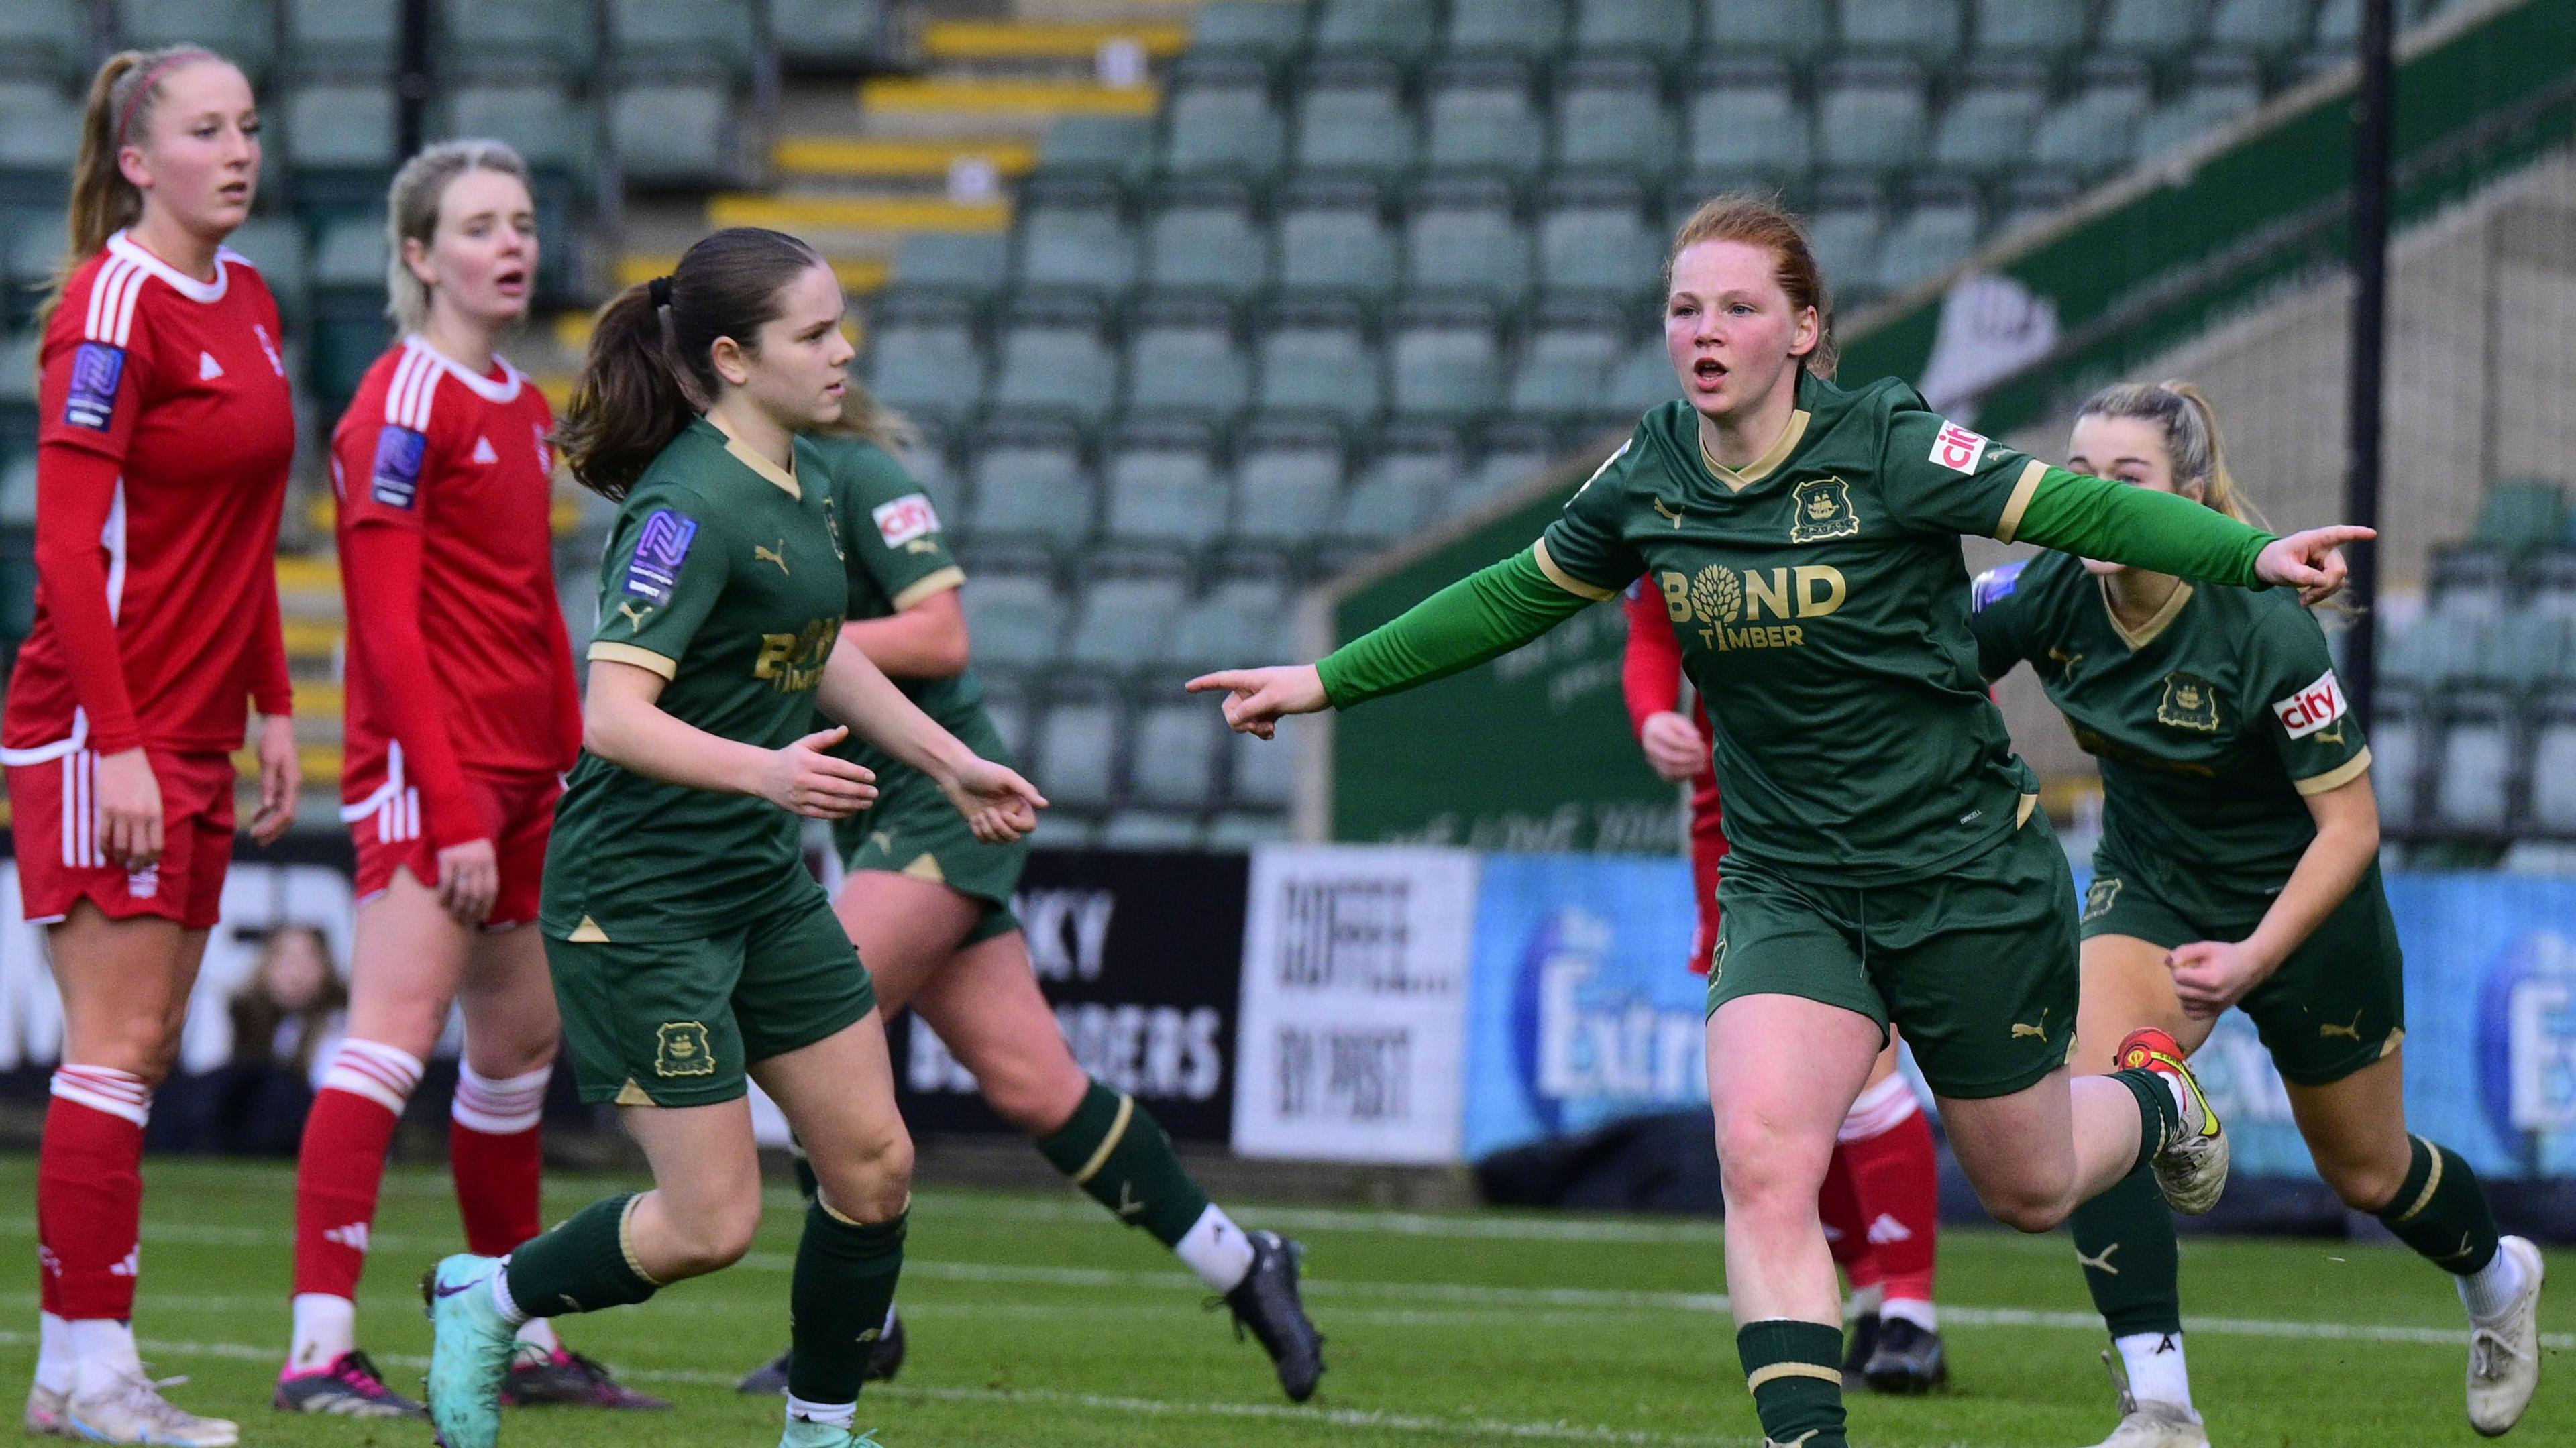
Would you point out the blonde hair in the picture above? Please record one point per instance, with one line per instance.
(122, 97)
(411, 214)
(2181, 411)
(1762, 221)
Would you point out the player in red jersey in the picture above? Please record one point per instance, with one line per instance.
(167, 427)
(1881, 1198)
(462, 718)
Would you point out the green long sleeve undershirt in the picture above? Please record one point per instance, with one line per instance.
(1504, 605)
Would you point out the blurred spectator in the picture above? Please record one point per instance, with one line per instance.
(288, 1014)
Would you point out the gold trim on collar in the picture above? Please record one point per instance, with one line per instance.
(1738, 479)
(785, 478)
(2148, 632)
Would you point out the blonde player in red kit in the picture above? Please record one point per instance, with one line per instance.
(462, 718)
(167, 427)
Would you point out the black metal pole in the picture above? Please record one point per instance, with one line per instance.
(411, 79)
(2373, 114)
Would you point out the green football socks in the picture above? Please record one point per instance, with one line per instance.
(1795, 1371)
(844, 1281)
(583, 1265)
(2132, 1262)
(2158, 1112)
(2442, 1212)
(1118, 1154)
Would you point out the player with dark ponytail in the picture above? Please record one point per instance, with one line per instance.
(167, 428)
(690, 948)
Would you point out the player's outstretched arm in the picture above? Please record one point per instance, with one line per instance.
(623, 722)
(2167, 533)
(998, 804)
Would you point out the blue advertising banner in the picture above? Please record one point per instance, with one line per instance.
(1581, 1011)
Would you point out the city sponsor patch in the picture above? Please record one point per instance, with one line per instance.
(1956, 448)
(681, 1048)
(2188, 703)
(904, 519)
(659, 551)
(97, 368)
(1995, 585)
(2312, 708)
(1820, 510)
(399, 454)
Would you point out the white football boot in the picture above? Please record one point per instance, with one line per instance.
(2504, 1350)
(2150, 1424)
(124, 1405)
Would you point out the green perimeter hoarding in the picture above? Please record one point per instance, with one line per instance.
(1533, 752)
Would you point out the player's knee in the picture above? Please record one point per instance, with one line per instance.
(2027, 1206)
(715, 1234)
(2362, 1184)
(871, 1181)
(1762, 1163)
(1034, 1101)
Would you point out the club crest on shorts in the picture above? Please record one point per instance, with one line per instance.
(682, 1049)
(1820, 510)
(2189, 703)
(2099, 895)
(1717, 962)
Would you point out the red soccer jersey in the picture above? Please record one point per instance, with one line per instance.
(457, 651)
(167, 427)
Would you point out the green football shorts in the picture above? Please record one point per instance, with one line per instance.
(677, 1022)
(914, 830)
(1976, 966)
(2336, 1005)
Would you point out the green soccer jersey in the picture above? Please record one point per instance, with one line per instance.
(896, 557)
(723, 575)
(1822, 607)
(2211, 719)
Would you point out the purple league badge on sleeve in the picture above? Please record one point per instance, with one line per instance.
(96, 370)
(659, 552)
(399, 452)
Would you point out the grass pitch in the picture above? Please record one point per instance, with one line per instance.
(1036, 1321)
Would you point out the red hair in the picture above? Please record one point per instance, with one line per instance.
(1764, 222)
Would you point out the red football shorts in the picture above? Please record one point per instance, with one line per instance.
(522, 807)
(62, 856)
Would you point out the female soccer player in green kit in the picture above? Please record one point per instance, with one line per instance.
(2239, 866)
(688, 943)
(1888, 865)
(929, 907)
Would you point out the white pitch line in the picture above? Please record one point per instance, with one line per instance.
(1394, 1224)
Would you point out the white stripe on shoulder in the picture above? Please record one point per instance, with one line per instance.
(419, 389)
(505, 390)
(98, 283)
(395, 386)
(126, 296)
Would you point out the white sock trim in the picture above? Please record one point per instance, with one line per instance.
(1910, 1309)
(53, 1353)
(834, 1415)
(2158, 1372)
(2487, 1292)
(1216, 1249)
(539, 1332)
(105, 1089)
(500, 1106)
(1864, 1302)
(501, 1299)
(385, 1075)
(325, 1327)
(102, 1343)
(1879, 1110)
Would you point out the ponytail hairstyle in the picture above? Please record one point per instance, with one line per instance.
(651, 370)
(411, 214)
(2190, 427)
(116, 114)
(1762, 221)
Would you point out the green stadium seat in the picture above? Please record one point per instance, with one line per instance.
(2338, 27)
(1610, 113)
(45, 40)
(2031, 196)
(1593, 239)
(18, 506)
(1015, 621)
(2400, 727)
(2155, 29)
(1744, 118)
(39, 135)
(977, 262)
(676, 134)
(242, 31)
(1649, 27)
(275, 245)
(1287, 482)
(2095, 129)
(1204, 237)
(349, 329)
(1986, 128)
(341, 126)
(1163, 486)
(327, 38)
(1314, 358)
(664, 37)
(1872, 113)
(496, 39)
(1077, 754)
(1642, 378)
(1928, 30)
(834, 36)
(1461, 236)
(1477, 117)
(550, 129)
(1514, 451)
(1221, 121)
(2520, 514)
(1385, 508)
(1795, 29)
(1117, 148)
(2043, 27)
(1939, 232)
(351, 258)
(2260, 27)
(923, 356)
(1054, 358)
(1397, 29)
(1269, 31)
(1564, 363)
(1333, 239)
(2473, 768)
(2195, 113)
(1183, 357)
(1351, 116)
(2553, 767)
(1235, 831)
(2523, 652)
(928, 458)
(1264, 775)
(1242, 618)
(1030, 484)
(1529, 29)
(1122, 623)
(1149, 829)
(1443, 359)
(1075, 236)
